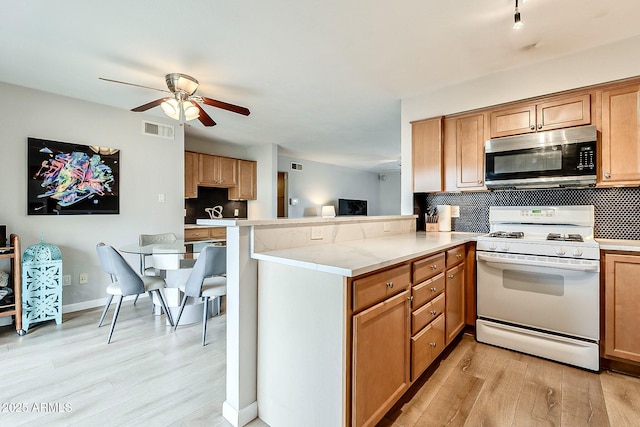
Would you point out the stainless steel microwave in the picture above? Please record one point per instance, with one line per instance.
(558, 158)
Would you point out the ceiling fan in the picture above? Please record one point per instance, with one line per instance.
(183, 104)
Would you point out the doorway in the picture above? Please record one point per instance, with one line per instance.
(282, 195)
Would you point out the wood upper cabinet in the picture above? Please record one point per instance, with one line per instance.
(470, 137)
(246, 188)
(217, 171)
(620, 148)
(622, 305)
(557, 113)
(380, 354)
(190, 175)
(426, 155)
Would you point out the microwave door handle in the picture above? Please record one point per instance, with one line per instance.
(590, 266)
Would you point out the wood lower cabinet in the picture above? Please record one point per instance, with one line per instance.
(622, 307)
(455, 304)
(380, 367)
(620, 148)
(247, 177)
(426, 346)
(202, 233)
(426, 155)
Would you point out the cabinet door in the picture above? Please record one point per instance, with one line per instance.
(208, 170)
(563, 113)
(426, 155)
(426, 346)
(513, 121)
(620, 153)
(380, 366)
(246, 187)
(622, 305)
(227, 171)
(470, 152)
(190, 175)
(454, 302)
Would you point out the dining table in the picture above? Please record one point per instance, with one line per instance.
(174, 262)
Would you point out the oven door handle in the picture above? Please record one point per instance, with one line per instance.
(593, 266)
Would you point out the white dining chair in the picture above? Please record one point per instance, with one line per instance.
(207, 280)
(125, 282)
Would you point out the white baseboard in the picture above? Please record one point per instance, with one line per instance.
(79, 306)
(242, 417)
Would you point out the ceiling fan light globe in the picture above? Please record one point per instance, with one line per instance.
(171, 108)
(191, 112)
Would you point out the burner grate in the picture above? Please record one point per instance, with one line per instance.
(565, 237)
(508, 234)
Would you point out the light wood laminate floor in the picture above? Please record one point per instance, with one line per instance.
(150, 375)
(481, 385)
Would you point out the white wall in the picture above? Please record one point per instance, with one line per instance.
(149, 166)
(319, 184)
(599, 65)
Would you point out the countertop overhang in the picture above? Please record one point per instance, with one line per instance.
(356, 257)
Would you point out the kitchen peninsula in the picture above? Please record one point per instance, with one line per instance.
(300, 295)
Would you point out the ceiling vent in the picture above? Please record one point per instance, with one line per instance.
(296, 166)
(156, 129)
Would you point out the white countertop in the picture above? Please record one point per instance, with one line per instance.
(619, 245)
(356, 257)
(231, 222)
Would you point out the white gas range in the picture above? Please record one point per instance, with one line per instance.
(538, 283)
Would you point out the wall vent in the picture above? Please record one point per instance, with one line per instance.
(296, 166)
(156, 129)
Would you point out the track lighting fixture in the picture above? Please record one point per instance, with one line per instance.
(517, 23)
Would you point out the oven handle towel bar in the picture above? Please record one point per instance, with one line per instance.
(532, 260)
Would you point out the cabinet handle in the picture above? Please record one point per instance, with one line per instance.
(450, 276)
(458, 256)
(434, 266)
(433, 312)
(480, 181)
(540, 126)
(607, 175)
(433, 289)
(432, 344)
(390, 285)
(532, 127)
(410, 298)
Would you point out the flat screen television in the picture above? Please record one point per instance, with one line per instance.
(71, 179)
(352, 207)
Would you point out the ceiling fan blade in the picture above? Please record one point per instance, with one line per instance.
(148, 106)
(133, 84)
(226, 106)
(204, 118)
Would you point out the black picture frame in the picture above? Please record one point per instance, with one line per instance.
(72, 179)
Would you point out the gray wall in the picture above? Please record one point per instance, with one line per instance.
(149, 166)
(319, 184)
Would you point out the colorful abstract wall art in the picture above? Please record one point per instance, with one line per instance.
(71, 179)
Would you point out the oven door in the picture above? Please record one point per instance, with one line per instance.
(545, 293)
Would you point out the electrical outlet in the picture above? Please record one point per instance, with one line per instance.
(66, 280)
(386, 227)
(316, 233)
(455, 211)
(161, 198)
(84, 278)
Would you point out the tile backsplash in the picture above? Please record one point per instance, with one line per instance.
(617, 210)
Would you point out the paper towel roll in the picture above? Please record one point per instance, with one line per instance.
(444, 217)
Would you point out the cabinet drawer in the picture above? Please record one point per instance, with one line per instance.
(425, 314)
(218, 233)
(428, 267)
(427, 290)
(379, 286)
(455, 255)
(426, 346)
(196, 233)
